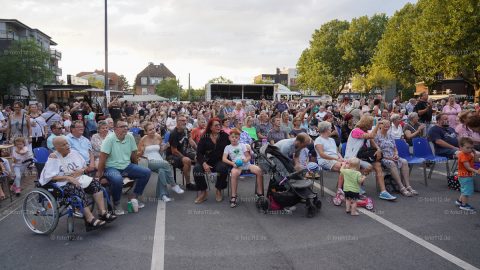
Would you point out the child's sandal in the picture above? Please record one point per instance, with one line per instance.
(233, 202)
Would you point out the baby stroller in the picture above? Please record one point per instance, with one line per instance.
(286, 186)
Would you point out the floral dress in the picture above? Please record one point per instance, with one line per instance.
(387, 146)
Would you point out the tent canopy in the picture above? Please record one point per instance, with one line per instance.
(142, 98)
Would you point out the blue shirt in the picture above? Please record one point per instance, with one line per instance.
(50, 142)
(81, 145)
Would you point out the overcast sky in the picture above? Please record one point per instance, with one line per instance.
(207, 38)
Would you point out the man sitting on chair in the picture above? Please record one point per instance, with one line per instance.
(118, 159)
(444, 138)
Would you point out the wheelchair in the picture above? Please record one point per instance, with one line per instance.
(45, 205)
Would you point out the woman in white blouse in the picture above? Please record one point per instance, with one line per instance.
(396, 130)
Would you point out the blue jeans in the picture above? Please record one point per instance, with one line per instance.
(133, 171)
(165, 175)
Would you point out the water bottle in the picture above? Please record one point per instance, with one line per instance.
(134, 205)
(129, 207)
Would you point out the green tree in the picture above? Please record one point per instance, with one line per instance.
(447, 40)
(168, 89)
(359, 42)
(220, 79)
(395, 52)
(321, 67)
(123, 84)
(25, 63)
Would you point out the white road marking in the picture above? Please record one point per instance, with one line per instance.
(440, 252)
(13, 211)
(158, 253)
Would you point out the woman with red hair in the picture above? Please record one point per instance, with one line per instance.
(209, 159)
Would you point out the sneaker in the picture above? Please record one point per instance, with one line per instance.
(290, 209)
(140, 204)
(458, 202)
(386, 196)
(177, 189)
(119, 210)
(18, 190)
(77, 213)
(191, 187)
(165, 198)
(467, 207)
(13, 187)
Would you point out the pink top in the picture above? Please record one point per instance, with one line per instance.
(452, 112)
(464, 131)
(357, 133)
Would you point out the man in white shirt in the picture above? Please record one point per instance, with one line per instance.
(321, 113)
(171, 122)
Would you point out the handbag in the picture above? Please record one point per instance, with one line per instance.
(367, 154)
(453, 183)
(85, 180)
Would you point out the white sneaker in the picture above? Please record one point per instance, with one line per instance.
(291, 208)
(165, 198)
(177, 189)
(119, 210)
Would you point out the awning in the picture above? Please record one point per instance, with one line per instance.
(142, 98)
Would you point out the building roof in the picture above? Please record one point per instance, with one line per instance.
(17, 22)
(154, 71)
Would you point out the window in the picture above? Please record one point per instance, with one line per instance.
(144, 91)
(143, 81)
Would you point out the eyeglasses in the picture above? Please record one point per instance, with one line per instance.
(123, 126)
(216, 125)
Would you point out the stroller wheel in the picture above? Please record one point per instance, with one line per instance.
(311, 209)
(318, 204)
(369, 206)
(262, 204)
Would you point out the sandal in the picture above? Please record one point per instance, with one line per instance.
(94, 224)
(233, 202)
(405, 192)
(413, 191)
(107, 217)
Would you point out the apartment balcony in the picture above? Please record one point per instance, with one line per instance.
(57, 71)
(56, 54)
(8, 35)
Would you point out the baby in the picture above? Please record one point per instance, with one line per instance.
(352, 179)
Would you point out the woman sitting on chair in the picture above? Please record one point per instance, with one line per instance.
(392, 161)
(65, 167)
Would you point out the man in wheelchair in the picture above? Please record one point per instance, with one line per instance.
(66, 168)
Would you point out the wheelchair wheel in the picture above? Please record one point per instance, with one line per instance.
(40, 211)
(311, 209)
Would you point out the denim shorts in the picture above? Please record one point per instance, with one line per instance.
(466, 185)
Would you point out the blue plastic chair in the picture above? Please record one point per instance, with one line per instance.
(421, 149)
(40, 155)
(339, 131)
(404, 152)
(135, 130)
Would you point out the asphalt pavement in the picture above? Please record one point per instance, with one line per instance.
(425, 231)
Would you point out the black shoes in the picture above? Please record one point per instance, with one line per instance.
(191, 187)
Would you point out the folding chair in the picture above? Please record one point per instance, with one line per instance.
(421, 149)
(404, 152)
